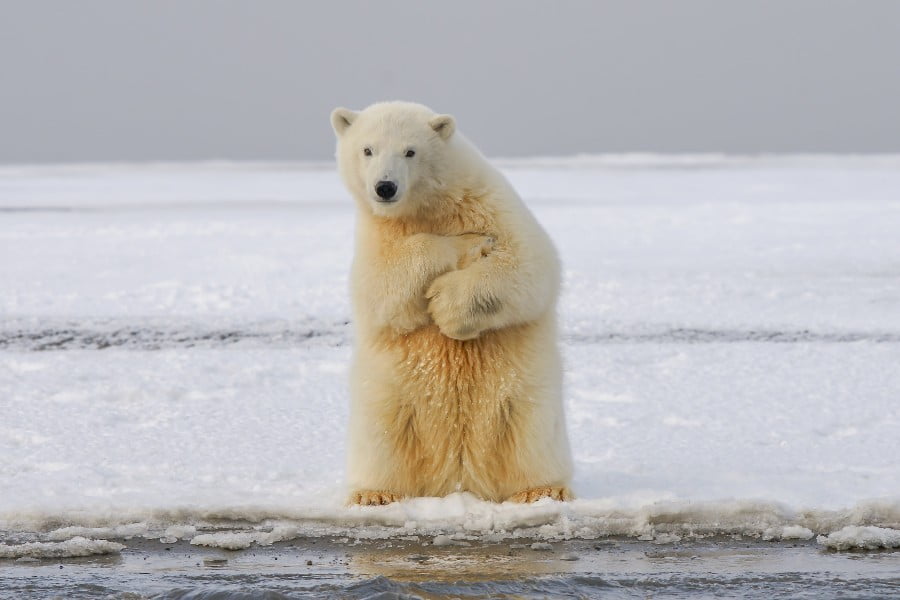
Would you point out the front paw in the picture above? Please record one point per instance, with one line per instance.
(458, 309)
(472, 247)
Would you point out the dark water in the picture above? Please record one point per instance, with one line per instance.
(383, 570)
(584, 586)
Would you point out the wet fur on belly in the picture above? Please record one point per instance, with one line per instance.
(460, 413)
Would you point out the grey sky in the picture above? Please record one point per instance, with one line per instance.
(182, 79)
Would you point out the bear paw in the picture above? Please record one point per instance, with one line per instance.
(374, 498)
(457, 309)
(472, 247)
(536, 493)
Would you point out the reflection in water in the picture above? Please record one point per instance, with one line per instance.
(416, 563)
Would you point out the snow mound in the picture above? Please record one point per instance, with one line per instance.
(854, 537)
(77, 546)
(460, 517)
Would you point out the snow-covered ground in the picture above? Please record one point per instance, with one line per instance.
(174, 345)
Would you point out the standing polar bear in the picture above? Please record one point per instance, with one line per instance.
(456, 382)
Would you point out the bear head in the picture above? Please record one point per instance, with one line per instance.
(393, 156)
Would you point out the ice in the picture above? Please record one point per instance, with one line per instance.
(228, 540)
(861, 538)
(174, 344)
(788, 532)
(76, 546)
(123, 532)
(183, 532)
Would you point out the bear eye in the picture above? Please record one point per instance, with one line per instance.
(410, 153)
(367, 151)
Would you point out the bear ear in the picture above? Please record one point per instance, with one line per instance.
(443, 125)
(341, 119)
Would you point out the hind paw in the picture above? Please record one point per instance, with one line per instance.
(536, 493)
(374, 498)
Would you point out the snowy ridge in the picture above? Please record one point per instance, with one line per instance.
(649, 160)
(158, 334)
(249, 185)
(463, 517)
(137, 335)
(637, 160)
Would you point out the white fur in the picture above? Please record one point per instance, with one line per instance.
(456, 381)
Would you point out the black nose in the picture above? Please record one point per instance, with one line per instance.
(386, 189)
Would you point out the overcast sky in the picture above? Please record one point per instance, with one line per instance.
(98, 80)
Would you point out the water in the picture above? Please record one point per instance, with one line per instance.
(317, 568)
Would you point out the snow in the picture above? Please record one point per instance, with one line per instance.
(174, 345)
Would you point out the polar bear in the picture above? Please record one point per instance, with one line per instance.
(456, 378)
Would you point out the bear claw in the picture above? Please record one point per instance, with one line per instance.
(536, 493)
(374, 498)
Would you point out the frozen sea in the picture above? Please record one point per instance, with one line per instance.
(174, 343)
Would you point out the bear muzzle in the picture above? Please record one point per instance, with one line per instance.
(386, 191)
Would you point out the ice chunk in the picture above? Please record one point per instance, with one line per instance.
(228, 540)
(77, 546)
(854, 537)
